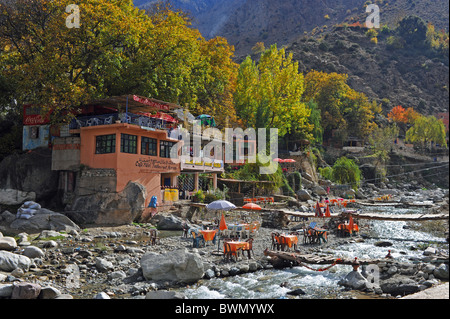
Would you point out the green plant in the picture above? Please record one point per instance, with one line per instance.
(326, 172)
(346, 171)
(198, 197)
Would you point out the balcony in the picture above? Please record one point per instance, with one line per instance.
(143, 121)
(201, 164)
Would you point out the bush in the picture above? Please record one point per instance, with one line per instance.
(326, 172)
(198, 197)
(346, 171)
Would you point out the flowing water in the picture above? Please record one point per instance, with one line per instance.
(267, 284)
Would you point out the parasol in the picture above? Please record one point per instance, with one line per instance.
(221, 205)
(350, 224)
(252, 206)
(223, 224)
(318, 211)
(206, 119)
(327, 212)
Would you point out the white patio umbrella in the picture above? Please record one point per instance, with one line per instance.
(221, 205)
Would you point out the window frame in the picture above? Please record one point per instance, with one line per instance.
(126, 143)
(167, 146)
(145, 143)
(104, 139)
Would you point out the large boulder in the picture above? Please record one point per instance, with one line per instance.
(441, 272)
(177, 266)
(30, 173)
(399, 285)
(25, 290)
(354, 280)
(45, 219)
(168, 222)
(15, 197)
(10, 261)
(109, 208)
(303, 195)
(7, 243)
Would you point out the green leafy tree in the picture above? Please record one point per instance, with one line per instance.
(270, 93)
(346, 171)
(427, 130)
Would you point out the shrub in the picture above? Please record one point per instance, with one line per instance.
(198, 197)
(346, 171)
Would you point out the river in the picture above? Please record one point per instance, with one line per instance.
(267, 284)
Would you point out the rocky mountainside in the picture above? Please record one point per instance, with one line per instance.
(409, 77)
(246, 22)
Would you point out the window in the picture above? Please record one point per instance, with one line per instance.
(128, 143)
(148, 146)
(165, 147)
(105, 144)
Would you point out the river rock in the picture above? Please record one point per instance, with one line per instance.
(6, 290)
(303, 195)
(33, 252)
(49, 293)
(10, 261)
(102, 295)
(441, 272)
(7, 243)
(178, 265)
(169, 222)
(25, 290)
(296, 292)
(103, 265)
(399, 285)
(429, 251)
(383, 244)
(45, 219)
(354, 280)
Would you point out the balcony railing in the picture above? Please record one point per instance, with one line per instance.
(108, 119)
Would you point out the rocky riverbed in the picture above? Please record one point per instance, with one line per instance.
(120, 262)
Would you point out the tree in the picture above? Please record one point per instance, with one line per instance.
(427, 130)
(345, 171)
(79, 62)
(341, 107)
(117, 50)
(269, 93)
(413, 30)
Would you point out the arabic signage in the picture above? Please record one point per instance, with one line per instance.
(157, 165)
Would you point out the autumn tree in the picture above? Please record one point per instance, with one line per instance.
(118, 49)
(341, 107)
(268, 94)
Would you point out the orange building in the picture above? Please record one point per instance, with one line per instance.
(134, 145)
(136, 154)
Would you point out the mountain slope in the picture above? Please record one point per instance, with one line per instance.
(410, 77)
(246, 22)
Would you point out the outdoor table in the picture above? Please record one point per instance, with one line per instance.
(290, 240)
(321, 234)
(209, 235)
(346, 226)
(235, 245)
